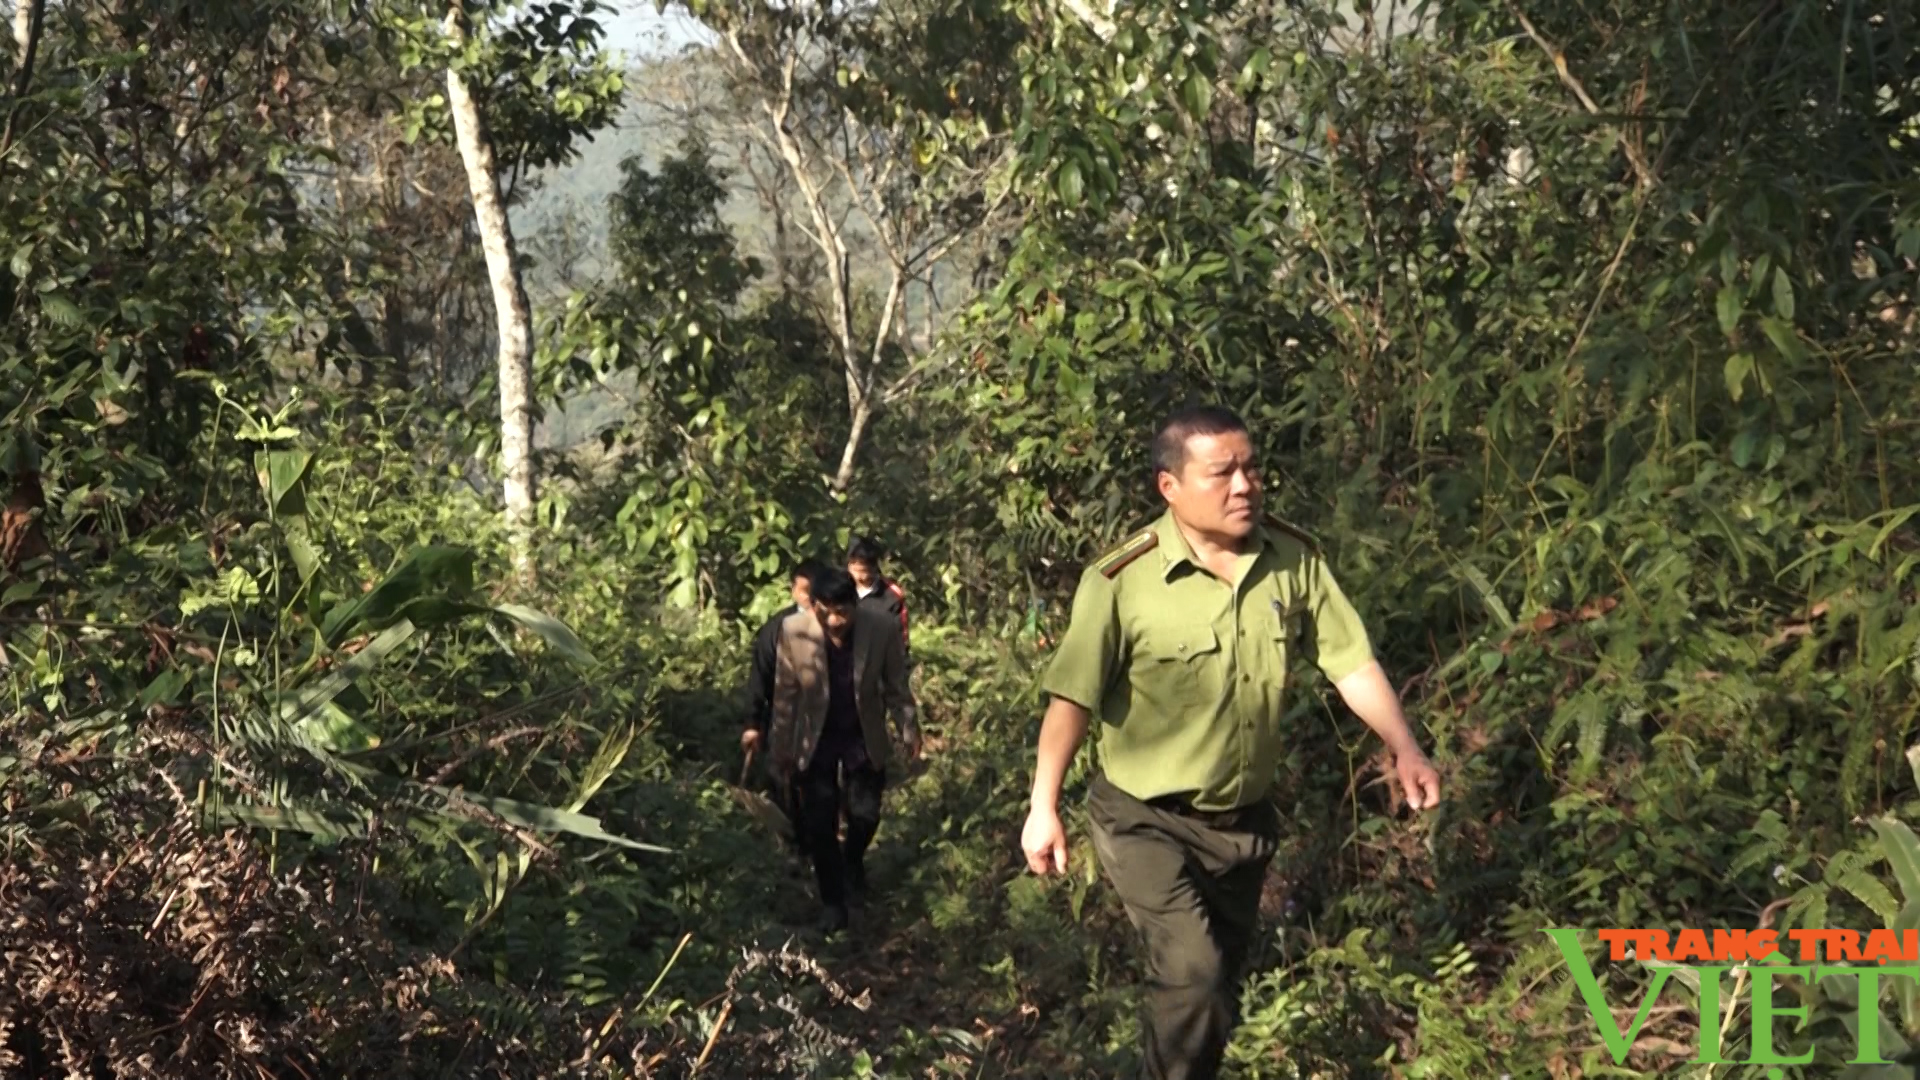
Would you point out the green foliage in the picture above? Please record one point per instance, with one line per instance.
(1583, 334)
(536, 70)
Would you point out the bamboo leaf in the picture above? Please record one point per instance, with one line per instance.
(1494, 605)
(614, 745)
(555, 633)
(330, 824)
(296, 708)
(546, 819)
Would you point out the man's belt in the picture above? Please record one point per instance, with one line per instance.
(1182, 805)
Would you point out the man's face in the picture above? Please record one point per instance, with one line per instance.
(837, 618)
(802, 592)
(863, 572)
(1217, 490)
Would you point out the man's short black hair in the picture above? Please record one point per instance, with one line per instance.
(835, 588)
(865, 549)
(1170, 442)
(809, 571)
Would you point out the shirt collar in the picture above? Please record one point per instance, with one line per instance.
(1175, 552)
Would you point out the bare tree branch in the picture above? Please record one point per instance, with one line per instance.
(28, 16)
(1634, 155)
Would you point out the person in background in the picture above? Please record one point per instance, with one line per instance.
(863, 562)
(1180, 642)
(840, 669)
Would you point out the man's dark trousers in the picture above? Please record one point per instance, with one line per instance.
(1191, 884)
(821, 789)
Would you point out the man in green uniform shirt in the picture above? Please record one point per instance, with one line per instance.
(1180, 641)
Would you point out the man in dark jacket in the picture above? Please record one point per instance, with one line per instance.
(876, 591)
(766, 644)
(765, 641)
(839, 675)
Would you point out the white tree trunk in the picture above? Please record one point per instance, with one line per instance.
(850, 453)
(511, 312)
(22, 28)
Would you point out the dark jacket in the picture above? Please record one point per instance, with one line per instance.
(766, 645)
(802, 689)
(889, 598)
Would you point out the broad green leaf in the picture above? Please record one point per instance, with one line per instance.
(1782, 294)
(555, 633)
(164, 689)
(1784, 339)
(1902, 849)
(1739, 366)
(300, 545)
(62, 312)
(1197, 93)
(444, 574)
(283, 475)
(1070, 185)
(1728, 308)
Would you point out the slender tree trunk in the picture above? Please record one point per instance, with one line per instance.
(511, 310)
(25, 14)
(850, 453)
(21, 534)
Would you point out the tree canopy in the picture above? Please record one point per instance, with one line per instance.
(1583, 335)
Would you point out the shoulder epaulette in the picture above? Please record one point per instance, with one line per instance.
(1295, 531)
(1121, 557)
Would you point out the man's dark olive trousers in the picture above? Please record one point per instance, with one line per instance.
(1190, 882)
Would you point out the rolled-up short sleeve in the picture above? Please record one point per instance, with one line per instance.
(1089, 651)
(1341, 646)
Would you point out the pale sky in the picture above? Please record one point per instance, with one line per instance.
(637, 29)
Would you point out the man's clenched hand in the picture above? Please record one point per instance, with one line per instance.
(1045, 842)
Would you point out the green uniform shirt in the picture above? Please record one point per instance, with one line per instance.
(1187, 674)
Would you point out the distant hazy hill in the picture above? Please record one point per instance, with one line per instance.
(563, 222)
(566, 215)
(574, 196)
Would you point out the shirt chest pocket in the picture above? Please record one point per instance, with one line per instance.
(1286, 628)
(1181, 661)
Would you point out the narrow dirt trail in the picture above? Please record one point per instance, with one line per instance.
(959, 966)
